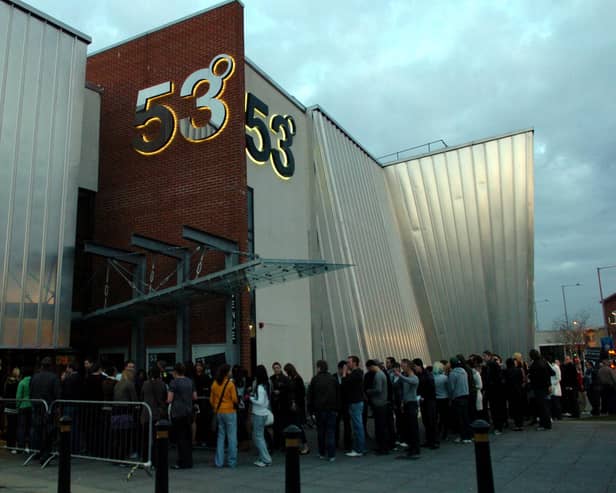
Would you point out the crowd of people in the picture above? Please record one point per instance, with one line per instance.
(226, 409)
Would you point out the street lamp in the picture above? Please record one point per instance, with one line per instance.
(536, 317)
(605, 320)
(562, 287)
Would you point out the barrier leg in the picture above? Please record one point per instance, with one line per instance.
(64, 466)
(485, 480)
(293, 442)
(162, 464)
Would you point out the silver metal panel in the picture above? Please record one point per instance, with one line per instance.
(42, 75)
(369, 310)
(465, 217)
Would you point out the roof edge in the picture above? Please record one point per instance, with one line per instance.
(460, 146)
(274, 84)
(164, 26)
(24, 7)
(318, 108)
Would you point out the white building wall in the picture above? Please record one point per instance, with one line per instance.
(281, 215)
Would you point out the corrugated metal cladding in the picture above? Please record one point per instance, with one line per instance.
(442, 247)
(369, 309)
(42, 78)
(466, 222)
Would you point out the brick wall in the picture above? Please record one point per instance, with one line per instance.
(198, 184)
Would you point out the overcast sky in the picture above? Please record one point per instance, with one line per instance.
(401, 73)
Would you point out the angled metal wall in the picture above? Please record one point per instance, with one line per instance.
(42, 78)
(466, 221)
(368, 310)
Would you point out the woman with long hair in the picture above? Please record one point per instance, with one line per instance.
(297, 405)
(223, 398)
(260, 409)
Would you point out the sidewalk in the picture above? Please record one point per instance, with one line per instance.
(575, 456)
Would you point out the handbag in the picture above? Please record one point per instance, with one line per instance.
(214, 423)
(269, 418)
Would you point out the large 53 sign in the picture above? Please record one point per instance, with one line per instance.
(268, 138)
(147, 111)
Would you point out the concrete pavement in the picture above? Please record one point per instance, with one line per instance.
(576, 456)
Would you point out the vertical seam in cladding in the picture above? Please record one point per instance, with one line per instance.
(30, 198)
(44, 251)
(65, 186)
(7, 243)
(514, 338)
(15, 172)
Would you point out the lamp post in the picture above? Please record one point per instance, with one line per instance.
(562, 287)
(536, 316)
(605, 320)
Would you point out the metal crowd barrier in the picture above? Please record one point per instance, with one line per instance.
(27, 426)
(110, 431)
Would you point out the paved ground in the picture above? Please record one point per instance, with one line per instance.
(576, 456)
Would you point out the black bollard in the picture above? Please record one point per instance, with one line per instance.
(64, 456)
(485, 480)
(292, 442)
(162, 462)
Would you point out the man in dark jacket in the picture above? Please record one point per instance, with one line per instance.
(353, 389)
(343, 411)
(44, 385)
(539, 376)
(494, 390)
(378, 397)
(324, 401)
(570, 388)
(427, 392)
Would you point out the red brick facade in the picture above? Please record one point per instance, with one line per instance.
(198, 184)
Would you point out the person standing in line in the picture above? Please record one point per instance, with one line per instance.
(514, 382)
(24, 410)
(593, 387)
(10, 409)
(280, 404)
(154, 394)
(123, 418)
(571, 389)
(458, 390)
(427, 393)
(409, 382)
(343, 412)
(181, 395)
(494, 391)
(539, 376)
(352, 387)
(260, 409)
(377, 396)
(324, 401)
(204, 417)
(73, 388)
(44, 385)
(442, 399)
(607, 378)
(223, 399)
(556, 393)
(475, 363)
(297, 406)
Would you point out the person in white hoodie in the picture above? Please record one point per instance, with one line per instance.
(260, 409)
(556, 394)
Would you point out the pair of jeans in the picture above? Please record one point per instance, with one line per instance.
(346, 429)
(412, 427)
(227, 428)
(24, 422)
(460, 409)
(258, 438)
(429, 420)
(381, 431)
(542, 400)
(182, 427)
(326, 433)
(356, 411)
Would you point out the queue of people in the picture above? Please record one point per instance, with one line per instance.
(414, 406)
